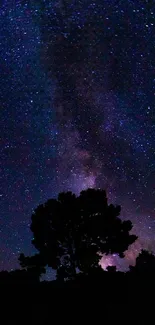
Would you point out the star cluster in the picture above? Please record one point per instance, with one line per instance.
(77, 95)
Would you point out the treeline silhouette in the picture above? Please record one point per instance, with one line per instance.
(71, 233)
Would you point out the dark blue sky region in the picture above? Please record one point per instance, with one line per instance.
(77, 95)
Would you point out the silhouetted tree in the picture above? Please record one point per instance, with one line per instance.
(145, 262)
(69, 232)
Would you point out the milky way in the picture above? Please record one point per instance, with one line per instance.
(77, 94)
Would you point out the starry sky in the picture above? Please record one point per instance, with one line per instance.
(77, 97)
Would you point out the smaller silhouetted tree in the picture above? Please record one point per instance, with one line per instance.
(145, 263)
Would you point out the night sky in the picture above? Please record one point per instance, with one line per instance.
(77, 97)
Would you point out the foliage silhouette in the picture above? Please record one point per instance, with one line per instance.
(145, 262)
(70, 231)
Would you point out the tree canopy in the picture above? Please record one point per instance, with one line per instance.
(70, 231)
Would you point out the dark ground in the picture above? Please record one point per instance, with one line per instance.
(114, 297)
